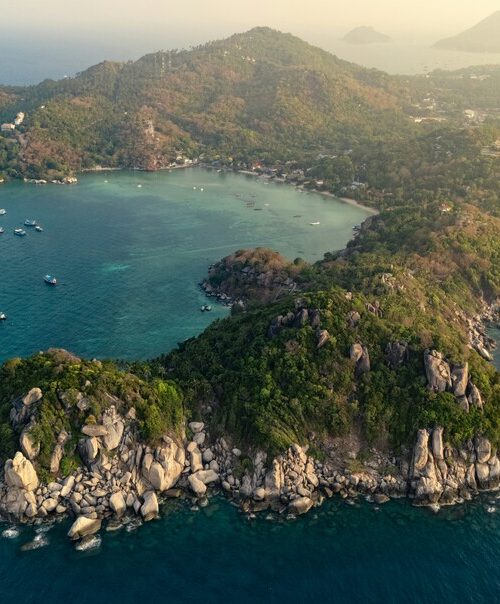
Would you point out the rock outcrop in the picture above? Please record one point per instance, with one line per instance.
(84, 526)
(359, 354)
(437, 370)
(20, 473)
(441, 474)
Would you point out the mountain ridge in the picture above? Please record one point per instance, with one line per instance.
(482, 37)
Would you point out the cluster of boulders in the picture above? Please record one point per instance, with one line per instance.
(299, 317)
(441, 474)
(120, 476)
(223, 298)
(475, 325)
(235, 279)
(443, 377)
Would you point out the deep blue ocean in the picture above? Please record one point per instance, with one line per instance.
(128, 259)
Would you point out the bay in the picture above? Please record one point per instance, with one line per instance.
(129, 248)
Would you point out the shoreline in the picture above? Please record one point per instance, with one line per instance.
(102, 169)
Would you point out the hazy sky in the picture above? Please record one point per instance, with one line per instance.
(208, 18)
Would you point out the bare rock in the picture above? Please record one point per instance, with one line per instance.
(301, 505)
(483, 449)
(459, 379)
(437, 371)
(396, 354)
(150, 507)
(34, 396)
(421, 451)
(94, 430)
(117, 503)
(323, 337)
(437, 443)
(196, 427)
(29, 447)
(84, 526)
(19, 472)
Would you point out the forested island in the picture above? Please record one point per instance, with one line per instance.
(367, 372)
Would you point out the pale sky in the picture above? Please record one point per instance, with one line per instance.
(208, 19)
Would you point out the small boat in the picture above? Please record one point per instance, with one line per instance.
(2, 212)
(38, 228)
(20, 232)
(2, 230)
(50, 280)
(30, 223)
(206, 308)
(3, 316)
(315, 223)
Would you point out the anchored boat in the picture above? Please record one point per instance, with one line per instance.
(3, 316)
(2, 211)
(30, 223)
(50, 280)
(20, 232)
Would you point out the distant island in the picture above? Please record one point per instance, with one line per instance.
(365, 35)
(483, 37)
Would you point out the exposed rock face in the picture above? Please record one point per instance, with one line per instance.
(117, 503)
(94, 430)
(323, 337)
(437, 371)
(198, 487)
(443, 475)
(396, 354)
(88, 449)
(19, 472)
(150, 507)
(459, 379)
(162, 468)
(84, 526)
(28, 445)
(359, 354)
(483, 449)
(301, 505)
(474, 396)
(34, 396)
(353, 318)
(421, 452)
(114, 426)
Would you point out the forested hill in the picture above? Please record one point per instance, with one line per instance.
(261, 94)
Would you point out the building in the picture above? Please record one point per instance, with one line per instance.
(7, 127)
(19, 119)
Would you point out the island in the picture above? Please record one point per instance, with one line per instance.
(367, 372)
(366, 35)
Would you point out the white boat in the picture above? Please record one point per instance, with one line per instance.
(2, 230)
(50, 280)
(2, 211)
(315, 223)
(3, 316)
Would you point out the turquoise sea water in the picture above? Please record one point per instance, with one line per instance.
(129, 249)
(337, 553)
(128, 260)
